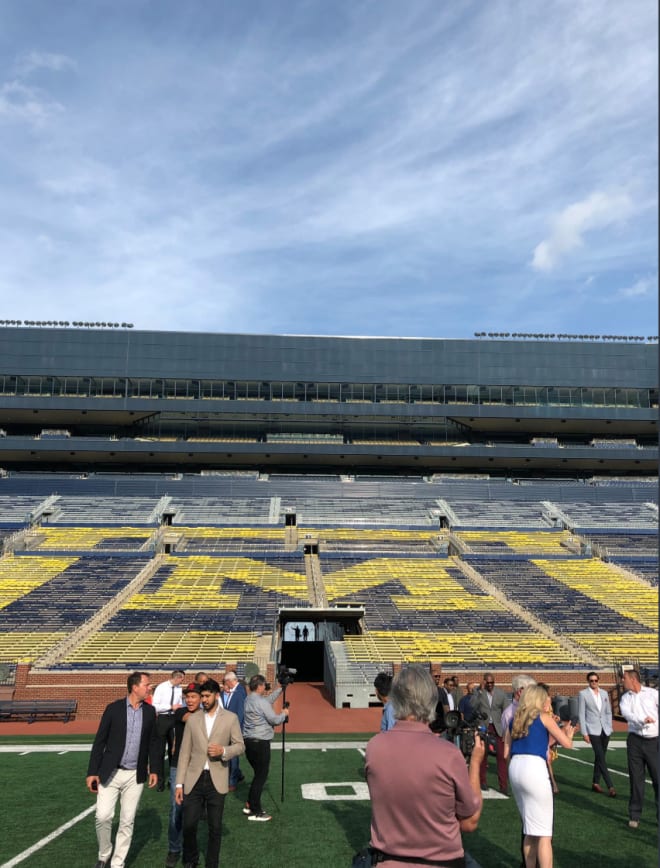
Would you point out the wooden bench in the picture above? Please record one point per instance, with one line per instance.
(31, 709)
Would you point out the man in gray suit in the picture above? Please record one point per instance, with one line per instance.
(489, 702)
(595, 712)
(210, 741)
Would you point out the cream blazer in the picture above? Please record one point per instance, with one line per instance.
(193, 753)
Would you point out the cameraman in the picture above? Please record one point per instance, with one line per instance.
(422, 793)
(258, 733)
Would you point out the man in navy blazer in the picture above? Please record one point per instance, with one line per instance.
(124, 753)
(233, 699)
(595, 713)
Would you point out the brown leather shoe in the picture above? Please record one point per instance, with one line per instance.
(596, 788)
(611, 793)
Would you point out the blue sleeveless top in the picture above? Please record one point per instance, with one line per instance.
(535, 742)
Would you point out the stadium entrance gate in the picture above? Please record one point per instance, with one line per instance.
(304, 632)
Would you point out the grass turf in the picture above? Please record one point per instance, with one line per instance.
(42, 791)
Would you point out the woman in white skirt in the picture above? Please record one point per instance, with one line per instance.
(526, 742)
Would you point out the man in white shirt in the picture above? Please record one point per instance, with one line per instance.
(639, 706)
(166, 699)
(210, 741)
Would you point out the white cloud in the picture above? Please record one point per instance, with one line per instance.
(376, 167)
(34, 60)
(21, 102)
(595, 212)
(642, 287)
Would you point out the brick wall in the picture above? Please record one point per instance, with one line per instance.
(94, 689)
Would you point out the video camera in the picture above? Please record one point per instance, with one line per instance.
(463, 733)
(285, 676)
(566, 717)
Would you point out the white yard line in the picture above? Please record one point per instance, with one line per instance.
(587, 763)
(40, 844)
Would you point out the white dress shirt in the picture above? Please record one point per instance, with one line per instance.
(636, 707)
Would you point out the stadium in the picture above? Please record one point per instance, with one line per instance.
(339, 505)
(179, 499)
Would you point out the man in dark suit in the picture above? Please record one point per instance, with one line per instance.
(210, 741)
(490, 702)
(124, 753)
(233, 699)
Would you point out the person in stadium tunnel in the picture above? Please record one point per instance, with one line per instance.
(423, 794)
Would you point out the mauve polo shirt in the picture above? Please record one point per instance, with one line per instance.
(419, 789)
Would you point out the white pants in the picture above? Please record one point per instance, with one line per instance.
(122, 785)
(532, 791)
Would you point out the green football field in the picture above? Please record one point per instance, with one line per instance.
(48, 819)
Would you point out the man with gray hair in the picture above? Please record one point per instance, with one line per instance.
(518, 685)
(233, 698)
(423, 795)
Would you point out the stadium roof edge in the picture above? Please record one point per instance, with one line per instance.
(349, 337)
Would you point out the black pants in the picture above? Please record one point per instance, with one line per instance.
(642, 752)
(257, 752)
(203, 795)
(165, 735)
(599, 745)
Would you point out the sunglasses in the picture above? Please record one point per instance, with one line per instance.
(593, 681)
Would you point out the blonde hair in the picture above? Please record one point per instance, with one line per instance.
(530, 706)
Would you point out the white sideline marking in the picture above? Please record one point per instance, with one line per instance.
(586, 763)
(60, 831)
(320, 792)
(490, 793)
(25, 749)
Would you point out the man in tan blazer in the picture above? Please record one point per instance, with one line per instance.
(210, 741)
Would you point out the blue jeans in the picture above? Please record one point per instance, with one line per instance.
(174, 829)
(234, 772)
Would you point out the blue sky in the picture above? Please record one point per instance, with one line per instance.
(374, 168)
